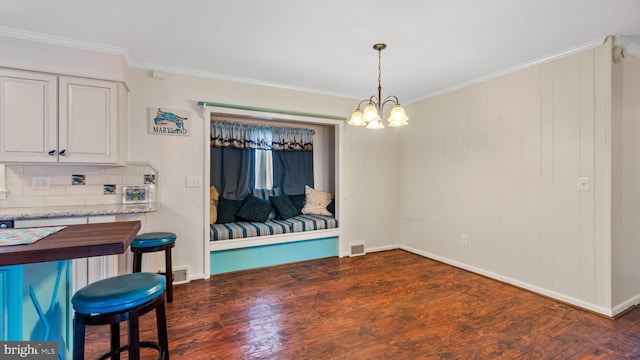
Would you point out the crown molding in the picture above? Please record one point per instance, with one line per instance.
(62, 41)
(216, 76)
(85, 45)
(586, 46)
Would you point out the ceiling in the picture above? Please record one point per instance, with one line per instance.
(326, 46)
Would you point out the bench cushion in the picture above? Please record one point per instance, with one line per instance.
(239, 230)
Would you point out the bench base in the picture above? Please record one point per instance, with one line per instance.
(223, 261)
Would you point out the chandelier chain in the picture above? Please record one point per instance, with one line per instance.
(379, 68)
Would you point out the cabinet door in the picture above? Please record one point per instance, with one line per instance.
(28, 116)
(88, 121)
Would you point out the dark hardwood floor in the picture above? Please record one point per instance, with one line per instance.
(386, 305)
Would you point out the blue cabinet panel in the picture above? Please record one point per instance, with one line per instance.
(11, 280)
(267, 255)
(36, 303)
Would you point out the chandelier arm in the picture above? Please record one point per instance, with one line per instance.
(392, 99)
(362, 102)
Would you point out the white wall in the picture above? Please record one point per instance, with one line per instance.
(372, 193)
(370, 199)
(626, 175)
(499, 162)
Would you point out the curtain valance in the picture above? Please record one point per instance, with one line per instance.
(226, 134)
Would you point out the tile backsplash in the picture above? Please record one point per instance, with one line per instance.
(61, 192)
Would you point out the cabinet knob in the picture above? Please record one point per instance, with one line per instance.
(63, 153)
(52, 153)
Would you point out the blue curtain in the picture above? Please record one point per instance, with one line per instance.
(233, 147)
(232, 171)
(292, 170)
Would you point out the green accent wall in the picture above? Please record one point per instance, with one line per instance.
(223, 261)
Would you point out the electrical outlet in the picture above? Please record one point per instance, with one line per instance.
(464, 240)
(40, 182)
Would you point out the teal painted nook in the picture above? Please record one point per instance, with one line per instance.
(223, 261)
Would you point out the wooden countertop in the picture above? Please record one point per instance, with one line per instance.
(75, 241)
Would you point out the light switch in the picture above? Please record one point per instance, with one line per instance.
(194, 181)
(583, 184)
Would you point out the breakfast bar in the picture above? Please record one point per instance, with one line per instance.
(75, 241)
(35, 280)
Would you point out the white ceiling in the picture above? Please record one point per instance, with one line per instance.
(326, 46)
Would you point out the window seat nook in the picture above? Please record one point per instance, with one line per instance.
(264, 208)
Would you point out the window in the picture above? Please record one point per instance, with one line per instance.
(263, 169)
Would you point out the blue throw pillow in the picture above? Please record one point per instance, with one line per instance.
(284, 206)
(298, 201)
(255, 209)
(227, 210)
(265, 194)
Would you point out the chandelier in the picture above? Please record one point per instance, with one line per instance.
(372, 114)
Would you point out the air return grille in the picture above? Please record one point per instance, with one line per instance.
(180, 276)
(357, 249)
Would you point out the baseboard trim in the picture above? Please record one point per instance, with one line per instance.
(610, 313)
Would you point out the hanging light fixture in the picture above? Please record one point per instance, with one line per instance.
(373, 112)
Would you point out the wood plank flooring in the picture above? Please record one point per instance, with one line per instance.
(385, 305)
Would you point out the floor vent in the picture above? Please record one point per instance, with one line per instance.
(357, 249)
(180, 276)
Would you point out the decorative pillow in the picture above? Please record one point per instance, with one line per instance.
(227, 210)
(332, 207)
(255, 209)
(316, 202)
(213, 206)
(298, 201)
(284, 206)
(265, 194)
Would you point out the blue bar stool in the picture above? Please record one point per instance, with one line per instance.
(116, 299)
(152, 242)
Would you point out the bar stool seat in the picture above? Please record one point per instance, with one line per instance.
(152, 242)
(116, 299)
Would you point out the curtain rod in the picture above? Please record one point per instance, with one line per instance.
(267, 110)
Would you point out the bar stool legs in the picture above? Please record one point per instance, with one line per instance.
(169, 273)
(121, 298)
(153, 242)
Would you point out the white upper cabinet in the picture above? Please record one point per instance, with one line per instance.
(88, 121)
(45, 118)
(28, 116)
